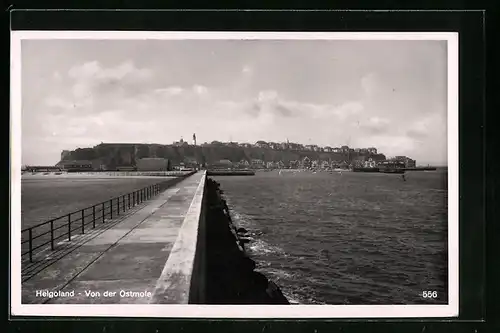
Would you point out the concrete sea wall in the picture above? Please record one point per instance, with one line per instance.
(207, 263)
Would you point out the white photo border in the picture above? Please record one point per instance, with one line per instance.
(235, 311)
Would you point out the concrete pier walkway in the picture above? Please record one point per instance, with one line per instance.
(124, 263)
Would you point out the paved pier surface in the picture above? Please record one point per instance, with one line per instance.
(122, 264)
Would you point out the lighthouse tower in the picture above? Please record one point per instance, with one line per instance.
(194, 139)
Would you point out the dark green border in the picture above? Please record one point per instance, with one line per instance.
(472, 171)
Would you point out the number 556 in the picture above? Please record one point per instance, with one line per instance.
(429, 294)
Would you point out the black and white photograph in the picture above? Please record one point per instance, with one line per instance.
(197, 174)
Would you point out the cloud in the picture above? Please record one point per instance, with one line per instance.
(91, 81)
(375, 125)
(170, 90)
(200, 90)
(94, 71)
(269, 101)
(428, 126)
(125, 103)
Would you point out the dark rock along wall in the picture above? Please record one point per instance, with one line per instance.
(230, 277)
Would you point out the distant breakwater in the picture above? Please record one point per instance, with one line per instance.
(231, 277)
(230, 173)
(111, 173)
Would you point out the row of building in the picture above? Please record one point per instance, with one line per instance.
(282, 146)
(142, 164)
(162, 164)
(307, 163)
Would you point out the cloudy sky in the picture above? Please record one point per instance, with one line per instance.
(387, 94)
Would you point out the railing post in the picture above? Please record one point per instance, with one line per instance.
(30, 244)
(111, 208)
(52, 235)
(69, 227)
(133, 198)
(93, 216)
(123, 197)
(118, 206)
(129, 201)
(103, 213)
(83, 221)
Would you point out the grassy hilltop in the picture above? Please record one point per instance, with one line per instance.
(114, 155)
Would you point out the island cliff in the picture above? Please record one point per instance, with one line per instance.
(113, 155)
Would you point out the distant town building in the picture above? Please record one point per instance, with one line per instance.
(190, 162)
(76, 165)
(126, 168)
(232, 144)
(262, 144)
(180, 143)
(359, 160)
(284, 146)
(41, 168)
(370, 163)
(408, 162)
(372, 150)
(222, 164)
(273, 145)
(306, 162)
(257, 163)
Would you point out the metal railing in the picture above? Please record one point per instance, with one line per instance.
(78, 222)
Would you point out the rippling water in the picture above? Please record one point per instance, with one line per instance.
(350, 238)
